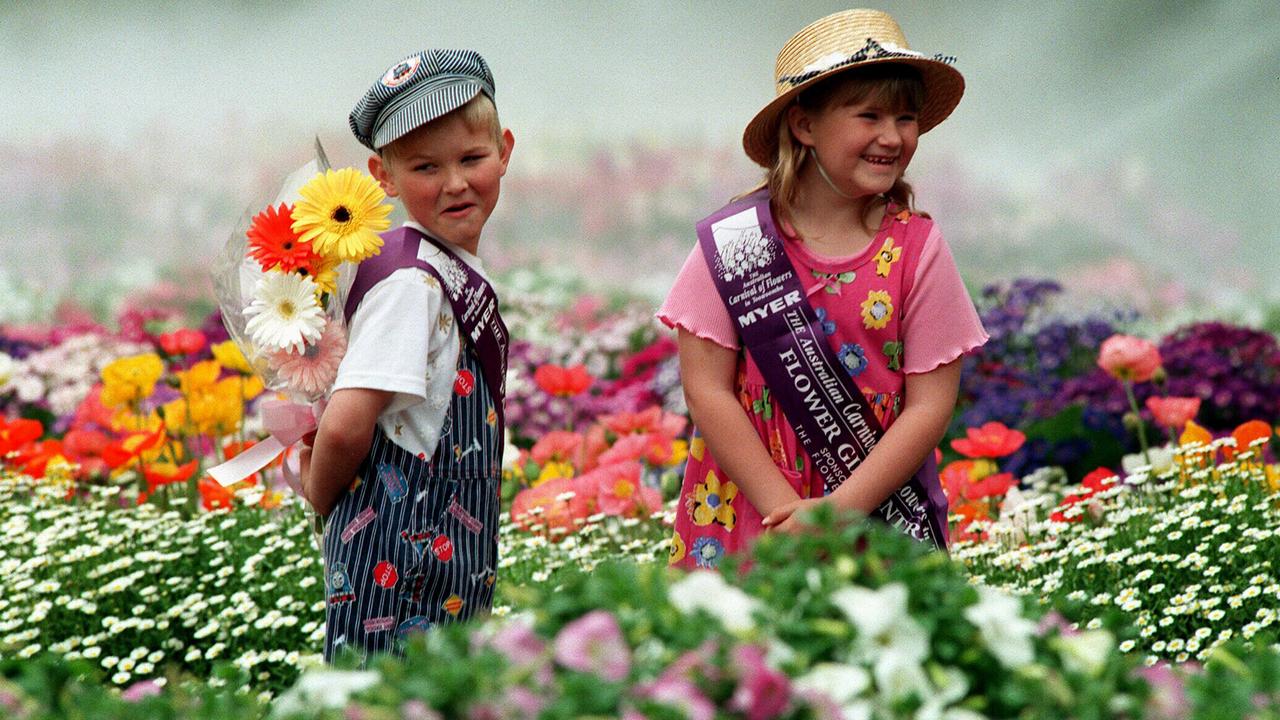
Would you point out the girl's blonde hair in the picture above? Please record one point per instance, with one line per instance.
(894, 86)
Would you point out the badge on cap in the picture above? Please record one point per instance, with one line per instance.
(401, 71)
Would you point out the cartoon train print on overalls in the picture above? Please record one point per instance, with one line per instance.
(414, 542)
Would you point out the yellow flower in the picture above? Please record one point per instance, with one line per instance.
(877, 309)
(679, 452)
(341, 213)
(228, 353)
(124, 421)
(199, 377)
(677, 549)
(130, 379)
(250, 387)
(553, 471)
(886, 257)
(714, 502)
(326, 277)
(1273, 477)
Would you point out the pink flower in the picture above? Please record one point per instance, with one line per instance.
(314, 370)
(557, 445)
(680, 694)
(762, 693)
(417, 710)
(619, 490)
(594, 643)
(992, 440)
(1173, 412)
(1125, 357)
(1168, 698)
(547, 506)
(519, 644)
(652, 419)
(139, 690)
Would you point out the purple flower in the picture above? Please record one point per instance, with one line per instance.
(762, 693)
(594, 643)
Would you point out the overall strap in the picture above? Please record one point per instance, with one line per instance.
(830, 416)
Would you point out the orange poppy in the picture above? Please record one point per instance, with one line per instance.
(131, 446)
(563, 381)
(1246, 435)
(992, 440)
(16, 433)
(213, 496)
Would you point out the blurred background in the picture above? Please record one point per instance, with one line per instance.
(1128, 149)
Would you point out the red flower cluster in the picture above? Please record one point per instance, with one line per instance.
(563, 381)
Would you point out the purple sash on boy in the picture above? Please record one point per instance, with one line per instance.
(475, 305)
(780, 329)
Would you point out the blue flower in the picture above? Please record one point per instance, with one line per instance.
(854, 358)
(707, 551)
(828, 326)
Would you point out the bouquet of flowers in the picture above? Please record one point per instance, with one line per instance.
(282, 281)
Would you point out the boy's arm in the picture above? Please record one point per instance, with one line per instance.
(343, 440)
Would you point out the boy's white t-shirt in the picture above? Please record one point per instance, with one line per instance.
(403, 339)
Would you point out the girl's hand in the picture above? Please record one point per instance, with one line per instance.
(783, 519)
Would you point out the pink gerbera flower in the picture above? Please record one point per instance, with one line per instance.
(314, 369)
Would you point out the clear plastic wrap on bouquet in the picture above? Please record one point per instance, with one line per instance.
(282, 282)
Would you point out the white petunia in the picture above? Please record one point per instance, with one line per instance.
(323, 689)
(285, 314)
(707, 591)
(840, 683)
(1006, 633)
(1087, 652)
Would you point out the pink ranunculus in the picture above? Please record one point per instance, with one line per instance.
(1173, 412)
(762, 693)
(557, 445)
(1126, 357)
(594, 643)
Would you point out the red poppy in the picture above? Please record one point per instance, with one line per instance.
(183, 341)
(213, 496)
(992, 440)
(33, 458)
(273, 243)
(955, 478)
(1098, 480)
(563, 381)
(990, 486)
(1059, 515)
(1173, 412)
(16, 433)
(128, 448)
(85, 448)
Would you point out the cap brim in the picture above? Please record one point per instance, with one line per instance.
(422, 108)
(944, 86)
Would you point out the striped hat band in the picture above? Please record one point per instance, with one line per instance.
(423, 102)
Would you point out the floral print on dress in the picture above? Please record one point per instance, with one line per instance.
(853, 357)
(763, 406)
(707, 551)
(893, 351)
(677, 549)
(877, 310)
(712, 501)
(833, 283)
(886, 257)
(828, 325)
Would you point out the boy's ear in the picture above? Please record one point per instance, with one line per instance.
(504, 148)
(801, 127)
(378, 169)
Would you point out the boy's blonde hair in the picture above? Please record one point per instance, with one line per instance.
(478, 112)
(895, 86)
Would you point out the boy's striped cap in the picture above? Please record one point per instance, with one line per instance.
(417, 90)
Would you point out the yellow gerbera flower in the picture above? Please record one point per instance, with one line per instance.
(341, 213)
(326, 277)
(130, 379)
(714, 502)
(677, 549)
(228, 353)
(877, 309)
(886, 257)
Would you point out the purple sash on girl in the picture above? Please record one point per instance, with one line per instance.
(780, 329)
(475, 305)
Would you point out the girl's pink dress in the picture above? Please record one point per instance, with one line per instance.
(897, 307)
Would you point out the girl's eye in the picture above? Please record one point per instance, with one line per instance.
(909, 117)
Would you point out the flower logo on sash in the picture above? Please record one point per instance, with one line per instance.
(748, 250)
(455, 278)
(713, 502)
(877, 309)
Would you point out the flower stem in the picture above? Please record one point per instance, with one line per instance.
(1142, 428)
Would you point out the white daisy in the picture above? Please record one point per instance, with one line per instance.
(284, 314)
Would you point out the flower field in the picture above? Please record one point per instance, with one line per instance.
(1116, 533)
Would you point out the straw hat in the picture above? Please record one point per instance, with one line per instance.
(842, 41)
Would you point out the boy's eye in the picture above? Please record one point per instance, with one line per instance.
(424, 167)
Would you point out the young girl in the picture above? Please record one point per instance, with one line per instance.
(821, 318)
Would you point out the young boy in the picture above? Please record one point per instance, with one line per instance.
(407, 459)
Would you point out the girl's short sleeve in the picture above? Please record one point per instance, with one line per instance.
(939, 321)
(694, 304)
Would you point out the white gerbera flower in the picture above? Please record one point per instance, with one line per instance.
(284, 314)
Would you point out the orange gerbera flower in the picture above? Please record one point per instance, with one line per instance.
(274, 244)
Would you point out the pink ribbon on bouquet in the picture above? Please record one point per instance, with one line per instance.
(286, 422)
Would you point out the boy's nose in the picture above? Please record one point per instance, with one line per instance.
(455, 181)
